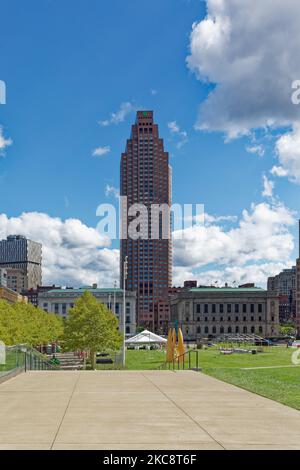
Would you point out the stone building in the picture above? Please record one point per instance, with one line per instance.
(59, 301)
(211, 312)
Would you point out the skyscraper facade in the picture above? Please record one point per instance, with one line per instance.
(146, 180)
(24, 258)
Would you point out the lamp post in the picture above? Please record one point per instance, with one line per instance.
(115, 286)
(125, 272)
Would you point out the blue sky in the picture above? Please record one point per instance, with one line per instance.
(70, 64)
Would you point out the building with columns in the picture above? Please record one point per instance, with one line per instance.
(59, 301)
(211, 312)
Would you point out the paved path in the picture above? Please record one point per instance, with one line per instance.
(139, 410)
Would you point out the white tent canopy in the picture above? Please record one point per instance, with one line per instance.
(146, 337)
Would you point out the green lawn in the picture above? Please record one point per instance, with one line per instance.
(282, 384)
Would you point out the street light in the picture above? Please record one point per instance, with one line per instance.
(115, 286)
(125, 272)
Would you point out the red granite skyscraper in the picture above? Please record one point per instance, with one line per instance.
(146, 179)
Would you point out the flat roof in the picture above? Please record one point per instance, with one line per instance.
(231, 290)
(81, 290)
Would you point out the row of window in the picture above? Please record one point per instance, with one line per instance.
(214, 330)
(229, 308)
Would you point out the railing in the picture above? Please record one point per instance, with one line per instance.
(21, 358)
(34, 360)
(187, 361)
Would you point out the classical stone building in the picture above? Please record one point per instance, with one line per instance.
(59, 301)
(211, 312)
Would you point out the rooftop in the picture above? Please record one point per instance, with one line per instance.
(231, 290)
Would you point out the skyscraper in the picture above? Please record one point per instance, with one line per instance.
(146, 180)
(22, 258)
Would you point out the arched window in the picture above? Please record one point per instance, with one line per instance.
(237, 330)
(214, 330)
(244, 329)
(206, 329)
(222, 330)
(229, 329)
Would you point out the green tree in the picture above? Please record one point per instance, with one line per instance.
(91, 326)
(287, 330)
(26, 324)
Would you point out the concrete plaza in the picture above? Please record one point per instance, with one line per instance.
(139, 410)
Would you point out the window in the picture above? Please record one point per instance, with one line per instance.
(128, 330)
(244, 308)
(236, 318)
(228, 308)
(206, 329)
(244, 329)
(213, 308)
(236, 308)
(229, 329)
(198, 308)
(221, 308)
(259, 308)
(252, 308)
(198, 330)
(214, 330)
(205, 308)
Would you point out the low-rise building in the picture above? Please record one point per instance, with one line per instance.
(59, 301)
(211, 312)
(32, 294)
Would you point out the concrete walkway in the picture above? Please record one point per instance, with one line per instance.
(139, 410)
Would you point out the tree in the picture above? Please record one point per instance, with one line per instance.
(91, 326)
(287, 330)
(26, 324)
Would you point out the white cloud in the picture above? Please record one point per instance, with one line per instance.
(210, 219)
(268, 187)
(278, 171)
(120, 115)
(233, 47)
(111, 190)
(73, 253)
(176, 131)
(100, 151)
(3, 142)
(153, 92)
(261, 236)
(256, 149)
(247, 50)
(288, 150)
(257, 273)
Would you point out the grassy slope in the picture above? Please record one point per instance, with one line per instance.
(282, 385)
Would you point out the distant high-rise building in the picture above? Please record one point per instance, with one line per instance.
(284, 286)
(23, 260)
(146, 179)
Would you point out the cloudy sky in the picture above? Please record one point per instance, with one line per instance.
(218, 75)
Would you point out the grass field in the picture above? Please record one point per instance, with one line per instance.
(281, 384)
